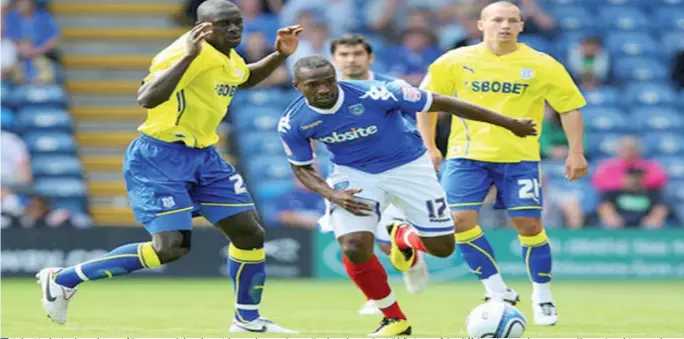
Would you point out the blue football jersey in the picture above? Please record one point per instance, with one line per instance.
(364, 130)
(410, 116)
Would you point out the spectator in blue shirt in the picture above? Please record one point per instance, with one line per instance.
(411, 59)
(28, 23)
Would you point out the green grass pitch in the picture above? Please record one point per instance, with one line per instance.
(203, 308)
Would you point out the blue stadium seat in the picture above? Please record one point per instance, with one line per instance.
(267, 96)
(664, 144)
(539, 43)
(269, 168)
(673, 42)
(640, 69)
(669, 19)
(7, 121)
(555, 169)
(657, 4)
(568, 39)
(50, 142)
(56, 165)
(44, 118)
(604, 119)
(674, 192)
(572, 18)
(632, 44)
(603, 145)
(255, 144)
(623, 18)
(78, 205)
(655, 118)
(259, 119)
(659, 94)
(46, 95)
(60, 187)
(602, 96)
(270, 189)
(674, 165)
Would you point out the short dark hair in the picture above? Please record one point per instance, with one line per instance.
(311, 62)
(351, 40)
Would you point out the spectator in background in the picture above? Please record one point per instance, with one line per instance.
(35, 28)
(16, 162)
(255, 48)
(9, 57)
(536, 20)
(610, 174)
(340, 15)
(314, 40)
(633, 204)
(553, 142)
(410, 60)
(300, 208)
(473, 35)
(40, 213)
(589, 63)
(256, 20)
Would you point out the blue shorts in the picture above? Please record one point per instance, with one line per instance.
(169, 183)
(467, 183)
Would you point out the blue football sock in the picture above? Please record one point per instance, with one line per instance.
(536, 253)
(477, 252)
(120, 261)
(247, 268)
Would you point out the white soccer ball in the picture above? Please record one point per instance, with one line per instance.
(495, 319)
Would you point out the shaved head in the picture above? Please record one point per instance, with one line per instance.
(497, 6)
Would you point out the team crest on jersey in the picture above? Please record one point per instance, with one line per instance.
(341, 185)
(411, 94)
(168, 202)
(526, 73)
(357, 109)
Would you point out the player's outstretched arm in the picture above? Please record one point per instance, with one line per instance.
(286, 44)
(308, 176)
(154, 92)
(466, 110)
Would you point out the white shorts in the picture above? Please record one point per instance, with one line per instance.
(413, 189)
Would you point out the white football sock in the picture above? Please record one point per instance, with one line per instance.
(541, 292)
(494, 284)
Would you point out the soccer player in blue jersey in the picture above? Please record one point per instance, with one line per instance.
(173, 171)
(378, 159)
(518, 81)
(353, 56)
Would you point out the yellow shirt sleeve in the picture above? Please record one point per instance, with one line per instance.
(167, 58)
(440, 78)
(563, 95)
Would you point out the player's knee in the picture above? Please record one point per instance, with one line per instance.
(442, 246)
(171, 246)
(357, 247)
(527, 226)
(464, 220)
(243, 230)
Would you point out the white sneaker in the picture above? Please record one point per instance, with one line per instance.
(55, 297)
(369, 308)
(417, 277)
(259, 325)
(510, 296)
(545, 314)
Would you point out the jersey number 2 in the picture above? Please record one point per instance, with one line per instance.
(239, 184)
(529, 188)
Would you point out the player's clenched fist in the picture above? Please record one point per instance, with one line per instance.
(346, 200)
(195, 38)
(523, 127)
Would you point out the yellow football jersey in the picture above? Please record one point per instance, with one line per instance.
(516, 85)
(200, 101)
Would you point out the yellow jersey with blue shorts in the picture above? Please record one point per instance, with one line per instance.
(481, 155)
(172, 171)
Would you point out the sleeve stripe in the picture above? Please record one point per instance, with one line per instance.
(428, 101)
(300, 163)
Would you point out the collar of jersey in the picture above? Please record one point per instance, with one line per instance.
(335, 108)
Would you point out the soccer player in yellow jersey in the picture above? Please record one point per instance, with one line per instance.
(173, 172)
(516, 80)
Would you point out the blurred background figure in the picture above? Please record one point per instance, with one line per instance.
(299, 208)
(589, 63)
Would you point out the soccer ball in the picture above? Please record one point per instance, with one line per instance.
(495, 320)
